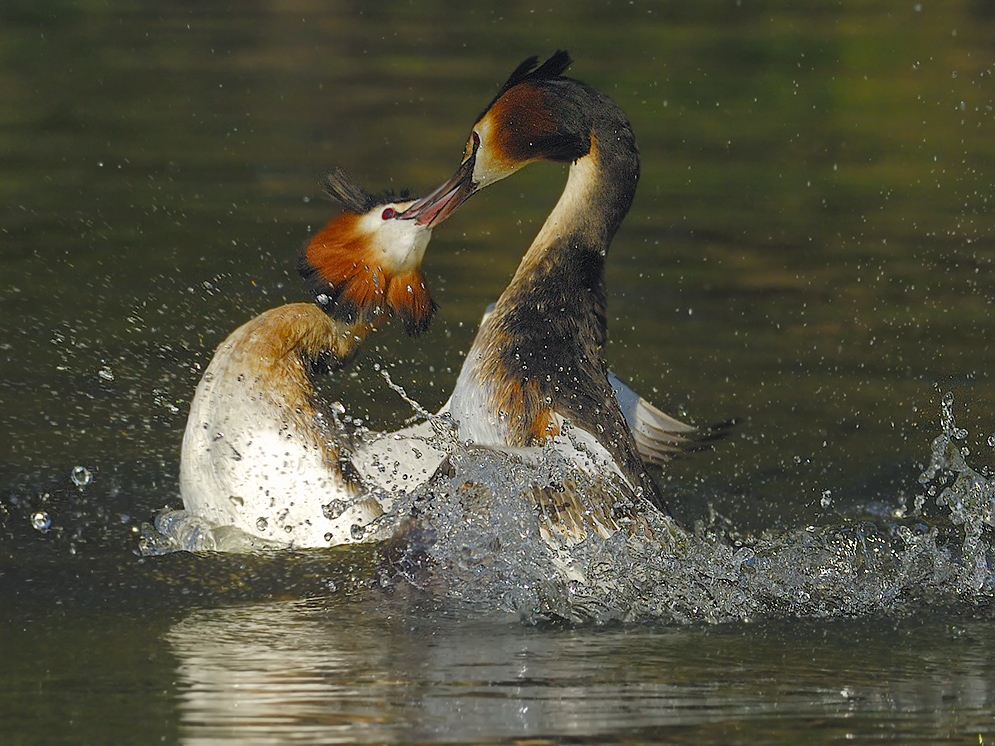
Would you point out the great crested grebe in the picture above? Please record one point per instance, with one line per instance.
(536, 372)
(262, 451)
(365, 265)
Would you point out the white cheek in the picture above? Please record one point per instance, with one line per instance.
(487, 170)
(402, 244)
(487, 167)
(371, 222)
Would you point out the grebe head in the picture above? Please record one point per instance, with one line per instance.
(536, 115)
(365, 265)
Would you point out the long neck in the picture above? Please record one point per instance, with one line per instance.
(540, 355)
(566, 259)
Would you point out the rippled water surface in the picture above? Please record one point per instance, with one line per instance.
(810, 252)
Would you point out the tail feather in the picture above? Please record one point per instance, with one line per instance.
(659, 437)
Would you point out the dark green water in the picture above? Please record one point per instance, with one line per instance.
(810, 251)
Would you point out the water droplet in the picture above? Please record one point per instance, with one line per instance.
(357, 531)
(237, 501)
(827, 499)
(40, 521)
(334, 509)
(81, 476)
(328, 536)
(106, 373)
(261, 523)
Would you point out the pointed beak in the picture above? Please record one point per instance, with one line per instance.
(440, 204)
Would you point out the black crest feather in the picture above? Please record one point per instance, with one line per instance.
(528, 72)
(339, 186)
(346, 192)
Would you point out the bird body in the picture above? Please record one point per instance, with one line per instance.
(262, 451)
(536, 370)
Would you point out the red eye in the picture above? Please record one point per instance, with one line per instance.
(388, 213)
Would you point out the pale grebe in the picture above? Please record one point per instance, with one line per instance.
(536, 370)
(262, 452)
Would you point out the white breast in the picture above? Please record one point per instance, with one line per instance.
(246, 462)
(471, 407)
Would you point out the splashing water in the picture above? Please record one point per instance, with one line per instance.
(81, 476)
(662, 571)
(475, 537)
(968, 495)
(40, 521)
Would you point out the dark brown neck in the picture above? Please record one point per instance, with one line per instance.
(549, 327)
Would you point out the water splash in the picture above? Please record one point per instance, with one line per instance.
(474, 536)
(81, 476)
(968, 495)
(40, 521)
(490, 551)
(179, 530)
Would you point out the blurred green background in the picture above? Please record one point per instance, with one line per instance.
(809, 251)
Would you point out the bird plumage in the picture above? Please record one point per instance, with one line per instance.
(536, 369)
